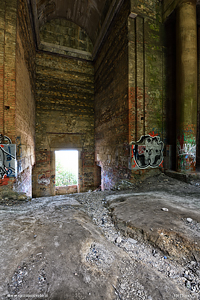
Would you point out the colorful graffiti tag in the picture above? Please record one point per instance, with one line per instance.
(7, 161)
(186, 156)
(147, 152)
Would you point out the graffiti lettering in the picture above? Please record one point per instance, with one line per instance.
(188, 150)
(147, 152)
(187, 156)
(7, 160)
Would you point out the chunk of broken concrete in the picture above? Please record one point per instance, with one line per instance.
(165, 209)
(189, 220)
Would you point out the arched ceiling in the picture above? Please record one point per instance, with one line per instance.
(88, 14)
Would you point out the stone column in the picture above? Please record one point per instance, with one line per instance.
(186, 85)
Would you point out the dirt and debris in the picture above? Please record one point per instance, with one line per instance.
(10, 198)
(98, 245)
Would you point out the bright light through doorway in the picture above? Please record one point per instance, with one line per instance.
(66, 167)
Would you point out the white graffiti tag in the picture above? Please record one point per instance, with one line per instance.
(187, 150)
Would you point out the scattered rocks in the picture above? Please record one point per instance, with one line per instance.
(165, 209)
(128, 288)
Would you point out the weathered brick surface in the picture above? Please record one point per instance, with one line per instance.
(171, 87)
(147, 105)
(65, 33)
(146, 72)
(129, 94)
(64, 118)
(198, 108)
(111, 103)
(25, 100)
(17, 87)
(2, 37)
(8, 11)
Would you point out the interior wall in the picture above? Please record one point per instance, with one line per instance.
(64, 33)
(170, 37)
(64, 118)
(147, 105)
(8, 16)
(17, 113)
(25, 100)
(111, 103)
(198, 90)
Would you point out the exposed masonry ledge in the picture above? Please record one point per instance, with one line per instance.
(185, 177)
(65, 50)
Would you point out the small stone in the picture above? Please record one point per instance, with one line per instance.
(189, 220)
(132, 241)
(188, 284)
(165, 209)
(35, 236)
(118, 240)
(154, 252)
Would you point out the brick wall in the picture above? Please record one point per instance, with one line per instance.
(146, 72)
(65, 33)
(17, 112)
(170, 26)
(147, 104)
(111, 103)
(129, 89)
(8, 10)
(64, 118)
(25, 100)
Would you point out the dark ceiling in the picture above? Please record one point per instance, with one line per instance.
(88, 14)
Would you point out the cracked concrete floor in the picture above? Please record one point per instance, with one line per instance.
(104, 245)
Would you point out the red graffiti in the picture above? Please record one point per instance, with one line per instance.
(132, 151)
(133, 166)
(153, 134)
(141, 149)
(4, 181)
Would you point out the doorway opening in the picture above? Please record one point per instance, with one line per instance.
(66, 171)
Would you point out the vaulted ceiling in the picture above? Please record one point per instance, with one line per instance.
(88, 14)
(94, 16)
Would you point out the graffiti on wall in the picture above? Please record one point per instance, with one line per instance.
(186, 154)
(7, 160)
(147, 152)
(44, 179)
